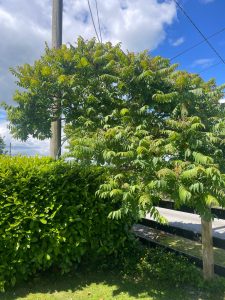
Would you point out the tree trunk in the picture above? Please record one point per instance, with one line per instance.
(207, 250)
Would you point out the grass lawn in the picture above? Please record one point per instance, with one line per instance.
(103, 285)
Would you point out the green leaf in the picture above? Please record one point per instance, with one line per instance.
(84, 62)
(165, 98)
(191, 174)
(117, 214)
(197, 187)
(202, 159)
(115, 192)
(145, 200)
(167, 173)
(43, 221)
(197, 126)
(210, 200)
(187, 153)
(184, 194)
(124, 111)
(48, 257)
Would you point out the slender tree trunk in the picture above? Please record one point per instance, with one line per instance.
(207, 250)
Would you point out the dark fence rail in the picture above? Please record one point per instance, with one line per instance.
(197, 261)
(195, 236)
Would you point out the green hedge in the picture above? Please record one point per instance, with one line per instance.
(50, 216)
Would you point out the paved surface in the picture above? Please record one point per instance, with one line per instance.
(190, 221)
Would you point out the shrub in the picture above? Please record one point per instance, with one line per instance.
(50, 216)
(140, 263)
(168, 267)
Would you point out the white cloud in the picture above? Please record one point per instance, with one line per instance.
(30, 147)
(177, 42)
(138, 24)
(22, 35)
(203, 62)
(26, 25)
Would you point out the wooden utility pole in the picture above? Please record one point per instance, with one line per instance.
(207, 249)
(55, 142)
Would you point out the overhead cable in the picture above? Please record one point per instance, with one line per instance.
(93, 22)
(199, 31)
(197, 44)
(99, 26)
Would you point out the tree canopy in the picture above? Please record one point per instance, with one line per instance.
(159, 130)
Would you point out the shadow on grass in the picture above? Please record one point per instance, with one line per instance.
(120, 286)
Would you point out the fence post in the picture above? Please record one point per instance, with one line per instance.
(207, 249)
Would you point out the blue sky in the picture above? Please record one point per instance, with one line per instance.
(157, 25)
(209, 17)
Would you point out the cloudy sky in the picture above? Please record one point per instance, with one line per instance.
(157, 25)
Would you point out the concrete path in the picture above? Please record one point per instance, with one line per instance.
(190, 222)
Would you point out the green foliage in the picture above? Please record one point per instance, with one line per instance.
(160, 134)
(160, 138)
(197, 164)
(141, 263)
(93, 82)
(169, 269)
(50, 216)
(136, 114)
(166, 267)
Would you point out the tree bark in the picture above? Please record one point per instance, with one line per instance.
(207, 250)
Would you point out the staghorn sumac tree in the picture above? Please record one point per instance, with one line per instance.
(159, 130)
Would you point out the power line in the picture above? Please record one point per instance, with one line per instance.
(93, 22)
(99, 27)
(197, 44)
(199, 31)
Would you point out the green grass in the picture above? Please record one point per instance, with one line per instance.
(103, 285)
(138, 273)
